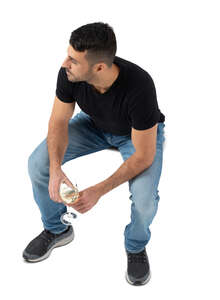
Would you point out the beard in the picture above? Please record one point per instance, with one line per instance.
(86, 77)
(71, 77)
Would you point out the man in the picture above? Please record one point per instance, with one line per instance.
(118, 109)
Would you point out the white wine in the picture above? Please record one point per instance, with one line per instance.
(68, 194)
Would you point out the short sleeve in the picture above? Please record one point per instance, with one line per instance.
(64, 87)
(143, 109)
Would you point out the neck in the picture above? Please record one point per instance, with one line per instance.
(104, 83)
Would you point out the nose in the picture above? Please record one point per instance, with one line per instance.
(65, 64)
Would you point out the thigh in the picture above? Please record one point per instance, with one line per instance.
(83, 138)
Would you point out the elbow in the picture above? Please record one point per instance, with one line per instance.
(148, 160)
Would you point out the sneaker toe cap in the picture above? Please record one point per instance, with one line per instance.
(140, 280)
(27, 255)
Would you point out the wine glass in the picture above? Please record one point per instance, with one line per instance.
(69, 195)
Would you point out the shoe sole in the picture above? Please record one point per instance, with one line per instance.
(137, 282)
(60, 243)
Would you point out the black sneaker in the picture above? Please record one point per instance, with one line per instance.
(41, 246)
(138, 270)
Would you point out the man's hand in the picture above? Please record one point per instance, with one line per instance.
(87, 199)
(56, 177)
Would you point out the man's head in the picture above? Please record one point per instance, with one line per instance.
(91, 51)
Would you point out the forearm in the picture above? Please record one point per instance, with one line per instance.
(129, 169)
(57, 141)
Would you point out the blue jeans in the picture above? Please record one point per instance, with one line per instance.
(86, 138)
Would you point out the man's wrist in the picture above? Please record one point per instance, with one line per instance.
(54, 168)
(101, 187)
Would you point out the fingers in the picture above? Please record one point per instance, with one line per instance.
(58, 199)
(56, 178)
(54, 190)
(81, 207)
(55, 194)
(68, 182)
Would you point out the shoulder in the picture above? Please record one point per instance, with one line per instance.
(136, 78)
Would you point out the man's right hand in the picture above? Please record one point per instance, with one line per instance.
(56, 177)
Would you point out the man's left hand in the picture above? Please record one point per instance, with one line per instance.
(87, 199)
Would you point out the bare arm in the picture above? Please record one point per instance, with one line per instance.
(57, 138)
(57, 141)
(144, 142)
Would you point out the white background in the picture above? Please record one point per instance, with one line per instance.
(177, 42)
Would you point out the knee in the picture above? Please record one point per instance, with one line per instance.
(38, 162)
(32, 166)
(146, 207)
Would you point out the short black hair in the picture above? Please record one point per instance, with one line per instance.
(98, 39)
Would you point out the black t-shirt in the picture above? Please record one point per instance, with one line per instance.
(131, 100)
